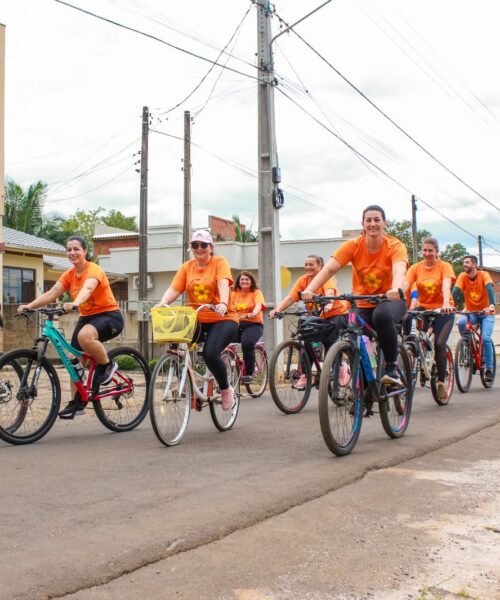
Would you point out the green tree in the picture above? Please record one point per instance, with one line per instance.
(83, 223)
(24, 208)
(242, 235)
(402, 231)
(115, 218)
(454, 254)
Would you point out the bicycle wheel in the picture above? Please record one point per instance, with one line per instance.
(411, 350)
(341, 399)
(463, 364)
(169, 405)
(260, 375)
(123, 402)
(225, 419)
(395, 403)
(288, 363)
(449, 380)
(489, 384)
(29, 397)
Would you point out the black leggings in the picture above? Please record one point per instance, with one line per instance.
(217, 336)
(383, 319)
(250, 334)
(340, 322)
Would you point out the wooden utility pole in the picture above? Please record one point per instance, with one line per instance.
(268, 177)
(414, 227)
(480, 248)
(143, 237)
(186, 231)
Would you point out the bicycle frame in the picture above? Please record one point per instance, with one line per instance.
(476, 340)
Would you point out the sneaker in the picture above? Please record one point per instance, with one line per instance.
(344, 374)
(392, 377)
(301, 383)
(442, 390)
(488, 375)
(246, 379)
(227, 398)
(73, 408)
(104, 374)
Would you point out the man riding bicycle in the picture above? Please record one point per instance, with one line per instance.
(477, 288)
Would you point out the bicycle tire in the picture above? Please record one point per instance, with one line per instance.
(463, 365)
(260, 376)
(489, 384)
(25, 418)
(169, 412)
(124, 410)
(287, 363)
(341, 402)
(395, 411)
(225, 419)
(449, 380)
(411, 350)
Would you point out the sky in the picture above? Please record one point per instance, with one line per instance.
(76, 85)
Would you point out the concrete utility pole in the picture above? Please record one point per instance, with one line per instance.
(186, 231)
(269, 234)
(414, 227)
(480, 248)
(143, 236)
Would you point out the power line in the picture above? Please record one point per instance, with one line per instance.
(385, 115)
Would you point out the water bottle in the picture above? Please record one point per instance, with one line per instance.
(80, 371)
(371, 351)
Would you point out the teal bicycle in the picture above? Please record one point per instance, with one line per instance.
(30, 388)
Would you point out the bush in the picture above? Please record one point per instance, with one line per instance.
(152, 363)
(126, 363)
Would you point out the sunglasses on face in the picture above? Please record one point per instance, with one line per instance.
(196, 245)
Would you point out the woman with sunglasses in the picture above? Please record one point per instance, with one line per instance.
(207, 279)
(250, 304)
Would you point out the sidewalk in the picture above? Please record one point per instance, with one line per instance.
(426, 529)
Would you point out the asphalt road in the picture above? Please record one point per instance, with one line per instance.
(84, 506)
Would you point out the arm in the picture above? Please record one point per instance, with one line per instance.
(398, 279)
(491, 297)
(51, 296)
(89, 285)
(223, 287)
(283, 305)
(413, 299)
(457, 294)
(446, 288)
(170, 295)
(256, 310)
(329, 270)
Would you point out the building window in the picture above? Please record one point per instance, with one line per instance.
(18, 285)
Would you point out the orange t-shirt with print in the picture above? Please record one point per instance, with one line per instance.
(339, 307)
(429, 282)
(101, 299)
(371, 272)
(244, 303)
(475, 292)
(201, 287)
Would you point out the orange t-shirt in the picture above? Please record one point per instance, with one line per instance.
(371, 273)
(339, 307)
(201, 287)
(429, 282)
(245, 302)
(101, 299)
(475, 292)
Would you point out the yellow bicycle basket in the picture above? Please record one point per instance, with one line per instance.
(173, 324)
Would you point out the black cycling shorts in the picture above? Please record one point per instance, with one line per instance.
(108, 325)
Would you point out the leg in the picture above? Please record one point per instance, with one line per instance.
(442, 329)
(340, 321)
(249, 335)
(487, 325)
(219, 335)
(385, 317)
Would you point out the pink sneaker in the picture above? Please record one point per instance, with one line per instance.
(301, 383)
(227, 398)
(344, 373)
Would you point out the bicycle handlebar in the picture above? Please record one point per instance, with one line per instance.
(54, 312)
(374, 298)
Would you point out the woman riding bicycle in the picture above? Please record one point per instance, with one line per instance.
(379, 264)
(100, 317)
(207, 280)
(433, 278)
(250, 304)
(332, 312)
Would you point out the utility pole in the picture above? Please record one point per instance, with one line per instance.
(186, 231)
(143, 237)
(269, 234)
(414, 227)
(480, 248)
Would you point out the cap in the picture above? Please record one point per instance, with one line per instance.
(202, 235)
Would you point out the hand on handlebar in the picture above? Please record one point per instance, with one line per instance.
(395, 294)
(220, 309)
(69, 306)
(22, 308)
(306, 296)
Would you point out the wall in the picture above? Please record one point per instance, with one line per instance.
(27, 262)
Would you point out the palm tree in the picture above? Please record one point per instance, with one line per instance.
(241, 234)
(24, 208)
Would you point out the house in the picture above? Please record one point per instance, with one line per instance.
(495, 276)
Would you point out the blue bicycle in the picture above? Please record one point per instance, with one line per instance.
(350, 384)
